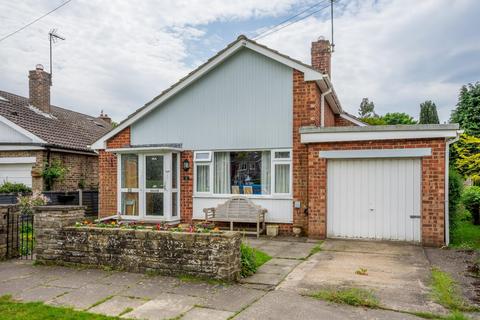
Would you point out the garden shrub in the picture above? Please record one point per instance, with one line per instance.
(247, 255)
(455, 187)
(10, 187)
(471, 201)
(26, 203)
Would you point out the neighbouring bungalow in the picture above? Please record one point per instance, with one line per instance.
(256, 123)
(35, 134)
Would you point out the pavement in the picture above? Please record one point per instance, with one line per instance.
(397, 275)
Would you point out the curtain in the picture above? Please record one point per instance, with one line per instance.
(265, 178)
(282, 178)
(203, 176)
(221, 173)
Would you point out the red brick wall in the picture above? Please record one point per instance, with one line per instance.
(321, 56)
(433, 184)
(186, 188)
(306, 112)
(107, 170)
(329, 116)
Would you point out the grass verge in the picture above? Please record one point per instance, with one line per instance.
(14, 310)
(445, 291)
(465, 234)
(351, 296)
(251, 259)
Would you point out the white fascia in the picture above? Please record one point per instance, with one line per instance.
(317, 137)
(352, 120)
(21, 130)
(14, 160)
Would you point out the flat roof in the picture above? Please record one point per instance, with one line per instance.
(402, 127)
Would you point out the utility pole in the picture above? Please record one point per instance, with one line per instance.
(53, 37)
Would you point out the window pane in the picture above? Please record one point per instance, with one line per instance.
(202, 156)
(129, 170)
(174, 204)
(282, 154)
(221, 172)
(154, 172)
(282, 178)
(174, 170)
(154, 203)
(203, 178)
(250, 172)
(129, 203)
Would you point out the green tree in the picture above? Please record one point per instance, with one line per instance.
(367, 109)
(467, 112)
(428, 113)
(398, 118)
(465, 157)
(374, 121)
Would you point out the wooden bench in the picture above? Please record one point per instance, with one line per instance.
(238, 209)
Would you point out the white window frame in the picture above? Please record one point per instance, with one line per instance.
(273, 162)
(272, 171)
(207, 163)
(208, 159)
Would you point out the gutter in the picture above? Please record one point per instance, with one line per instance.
(447, 169)
(322, 106)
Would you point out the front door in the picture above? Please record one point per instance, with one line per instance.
(155, 185)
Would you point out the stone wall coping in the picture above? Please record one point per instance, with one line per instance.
(222, 234)
(58, 208)
(10, 205)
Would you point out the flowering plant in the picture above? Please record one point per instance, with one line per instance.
(26, 203)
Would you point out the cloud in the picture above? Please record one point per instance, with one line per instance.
(398, 53)
(120, 54)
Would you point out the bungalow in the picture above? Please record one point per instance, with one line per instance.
(255, 122)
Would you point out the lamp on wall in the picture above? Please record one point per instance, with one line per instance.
(186, 165)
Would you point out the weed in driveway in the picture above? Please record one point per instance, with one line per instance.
(317, 248)
(362, 272)
(351, 296)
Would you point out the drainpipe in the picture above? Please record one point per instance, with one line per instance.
(447, 164)
(322, 106)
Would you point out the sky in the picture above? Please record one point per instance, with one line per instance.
(118, 55)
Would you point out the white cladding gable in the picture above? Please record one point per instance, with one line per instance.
(10, 135)
(244, 103)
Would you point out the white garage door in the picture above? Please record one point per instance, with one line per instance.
(16, 172)
(374, 199)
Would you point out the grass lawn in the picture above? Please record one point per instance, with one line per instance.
(13, 310)
(260, 257)
(465, 234)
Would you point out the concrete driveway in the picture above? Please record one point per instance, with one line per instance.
(397, 273)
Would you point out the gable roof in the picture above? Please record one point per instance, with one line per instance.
(62, 128)
(310, 74)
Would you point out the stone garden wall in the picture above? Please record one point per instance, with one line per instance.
(170, 253)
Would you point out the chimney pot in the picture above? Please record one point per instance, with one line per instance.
(105, 117)
(39, 88)
(321, 55)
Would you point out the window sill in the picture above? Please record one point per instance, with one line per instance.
(250, 196)
(151, 219)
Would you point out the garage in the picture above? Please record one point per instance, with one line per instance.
(17, 170)
(383, 199)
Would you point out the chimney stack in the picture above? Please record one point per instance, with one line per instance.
(39, 88)
(321, 55)
(105, 117)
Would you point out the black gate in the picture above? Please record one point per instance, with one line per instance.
(20, 235)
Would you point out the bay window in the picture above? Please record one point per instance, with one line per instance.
(243, 172)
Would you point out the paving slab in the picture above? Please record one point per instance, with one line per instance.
(207, 314)
(117, 305)
(296, 250)
(280, 304)
(126, 278)
(15, 286)
(151, 287)
(83, 298)
(232, 298)
(78, 278)
(198, 289)
(41, 293)
(14, 269)
(165, 307)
